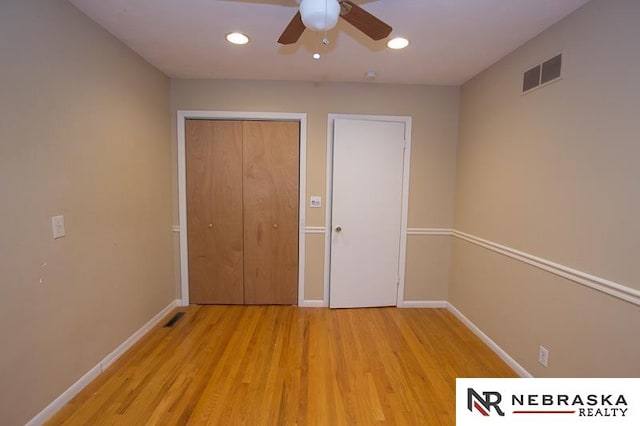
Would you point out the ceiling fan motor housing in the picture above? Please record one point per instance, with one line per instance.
(319, 15)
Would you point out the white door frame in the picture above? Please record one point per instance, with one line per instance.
(405, 197)
(182, 185)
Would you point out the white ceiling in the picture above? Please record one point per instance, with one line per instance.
(451, 40)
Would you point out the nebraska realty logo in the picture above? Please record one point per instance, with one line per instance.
(552, 401)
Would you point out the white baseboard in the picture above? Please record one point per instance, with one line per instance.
(313, 304)
(126, 345)
(75, 388)
(65, 397)
(423, 304)
(487, 340)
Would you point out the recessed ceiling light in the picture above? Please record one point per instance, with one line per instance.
(397, 43)
(316, 55)
(237, 38)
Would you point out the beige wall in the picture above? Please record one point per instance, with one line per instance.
(434, 111)
(84, 132)
(554, 173)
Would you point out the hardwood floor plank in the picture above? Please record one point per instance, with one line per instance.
(283, 365)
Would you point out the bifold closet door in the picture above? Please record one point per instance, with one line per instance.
(214, 211)
(270, 205)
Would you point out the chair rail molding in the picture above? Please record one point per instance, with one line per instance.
(603, 285)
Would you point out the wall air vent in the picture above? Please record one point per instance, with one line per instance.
(542, 74)
(531, 78)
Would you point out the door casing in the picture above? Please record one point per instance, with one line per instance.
(183, 115)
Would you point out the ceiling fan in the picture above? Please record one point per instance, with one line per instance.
(322, 15)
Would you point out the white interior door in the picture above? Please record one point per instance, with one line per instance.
(366, 216)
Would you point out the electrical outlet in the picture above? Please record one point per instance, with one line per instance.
(57, 225)
(543, 356)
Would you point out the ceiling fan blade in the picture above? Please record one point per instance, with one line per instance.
(294, 30)
(364, 21)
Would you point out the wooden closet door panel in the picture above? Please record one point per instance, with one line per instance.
(270, 204)
(214, 211)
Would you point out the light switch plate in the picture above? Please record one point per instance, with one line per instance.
(315, 202)
(57, 225)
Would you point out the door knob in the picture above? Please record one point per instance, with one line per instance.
(275, 225)
(210, 225)
(338, 228)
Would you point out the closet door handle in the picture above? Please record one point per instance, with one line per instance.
(338, 228)
(210, 225)
(275, 225)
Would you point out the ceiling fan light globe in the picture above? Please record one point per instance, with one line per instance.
(320, 15)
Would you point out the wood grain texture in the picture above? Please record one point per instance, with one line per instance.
(373, 27)
(294, 30)
(270, 206)
(283, 365)
(214, 211)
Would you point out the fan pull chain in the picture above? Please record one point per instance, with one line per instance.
(324, 39)
(316, 55)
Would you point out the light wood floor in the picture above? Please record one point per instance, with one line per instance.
(283, 365)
